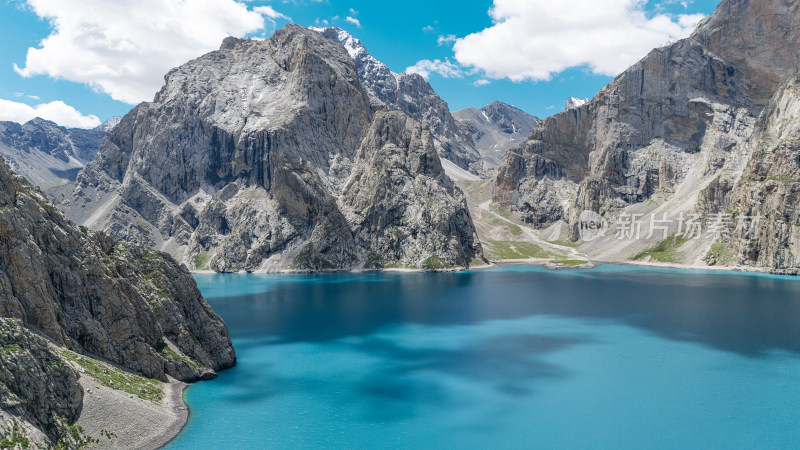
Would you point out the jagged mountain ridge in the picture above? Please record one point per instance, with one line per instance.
(662, 135)
(411, 94)
(496, 128)
(248, 157)
(46, 154)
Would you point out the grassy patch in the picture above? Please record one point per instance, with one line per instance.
(475, 185)
(782, 179)
(566, 244)
(477, 262)
(110, 376)
(398, 266)
(515, 250)
(164, 350)
(11, 349)
(374, 261)
(665, 251)
(201, 260)
(511, 228)
(501, 210)
(15, 436)
(435, 263)
(570, 262)
(720, 254)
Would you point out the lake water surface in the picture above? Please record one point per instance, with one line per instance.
(614, 357)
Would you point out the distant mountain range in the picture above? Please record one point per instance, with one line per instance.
(230, 179)
(495, 129)
(49, 155)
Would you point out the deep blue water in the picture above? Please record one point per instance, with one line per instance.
(615, 357)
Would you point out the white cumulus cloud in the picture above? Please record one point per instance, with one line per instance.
(444, 68)
(124, 47)
(446, 39)
(354, 21)
(57, 111)
(270, 12)
(534, 39)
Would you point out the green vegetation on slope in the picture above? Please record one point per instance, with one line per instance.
(201, 260)
(566, 244)
(720, 254)
(500, 210)
(110, 376)
(514, 250)
(570, 262)
(436, 263)
(168, 353)
(511, 228)
(665, 251)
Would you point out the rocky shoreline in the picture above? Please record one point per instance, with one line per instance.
(134, 422)
(550, 264)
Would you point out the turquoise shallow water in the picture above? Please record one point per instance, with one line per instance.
(615, 357)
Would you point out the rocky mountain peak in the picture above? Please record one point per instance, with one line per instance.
(242, 160)
(411, 94)
(573, 103)
(109, 124)
(496, 128)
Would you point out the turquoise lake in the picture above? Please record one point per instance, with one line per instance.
(517, 357)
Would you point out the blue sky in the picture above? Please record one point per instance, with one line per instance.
(528, 41)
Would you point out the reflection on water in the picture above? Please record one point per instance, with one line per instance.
(514, 357)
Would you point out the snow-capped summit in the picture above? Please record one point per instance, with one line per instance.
(109, 124)
(411, 94)
(573, 103)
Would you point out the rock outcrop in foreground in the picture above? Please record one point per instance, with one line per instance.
(270, 155)
(90, 294)
(686, 130)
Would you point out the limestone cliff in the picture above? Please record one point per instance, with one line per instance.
(769, 190)
(248, 158)
(670, 135)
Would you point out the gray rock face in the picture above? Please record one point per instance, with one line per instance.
(669, 124)
(411, 94)
(495, 129)
(45, 153)
(92, 294)
(247, 157)
(36, 385)
(768, 188)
